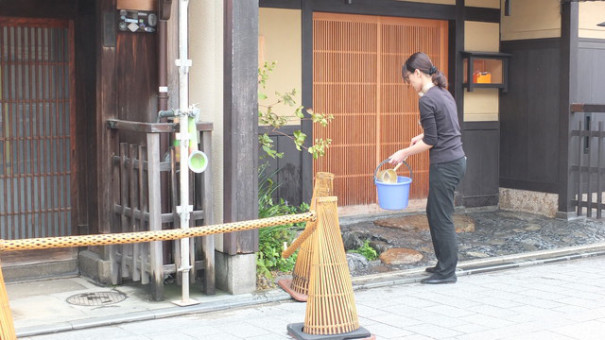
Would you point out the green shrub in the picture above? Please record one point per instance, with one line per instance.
(367, 251)
(271, 239)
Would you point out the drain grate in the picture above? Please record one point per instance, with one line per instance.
(96, 299)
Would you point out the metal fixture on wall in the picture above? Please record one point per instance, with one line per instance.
(348, 2)
(507, 7)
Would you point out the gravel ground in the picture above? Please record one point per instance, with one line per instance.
(496, 233)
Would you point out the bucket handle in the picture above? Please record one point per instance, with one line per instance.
(388, 160)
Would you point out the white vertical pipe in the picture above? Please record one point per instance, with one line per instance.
(184, 144)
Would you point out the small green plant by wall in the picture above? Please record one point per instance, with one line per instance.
(366, 250)
(271, 240)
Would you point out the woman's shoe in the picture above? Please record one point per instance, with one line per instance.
(436, 279)
(431, 269)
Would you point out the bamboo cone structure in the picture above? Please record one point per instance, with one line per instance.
(298, 288)
(331, 310)
(7, 328)
(331, 304)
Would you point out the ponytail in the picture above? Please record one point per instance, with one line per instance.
(439, 79)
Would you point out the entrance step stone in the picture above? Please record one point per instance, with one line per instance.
(463, 223)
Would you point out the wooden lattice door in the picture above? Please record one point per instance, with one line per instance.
(357, 78)
(35, 127)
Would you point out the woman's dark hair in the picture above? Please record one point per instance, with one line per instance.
(422, 62)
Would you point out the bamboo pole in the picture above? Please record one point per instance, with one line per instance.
(7, 328)
(150, 236)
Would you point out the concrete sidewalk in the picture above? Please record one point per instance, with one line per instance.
(561, 300)
(394, 303)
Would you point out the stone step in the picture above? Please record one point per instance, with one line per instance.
(39, 264)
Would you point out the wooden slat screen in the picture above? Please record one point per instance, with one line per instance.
(357, 78)
(35, 128)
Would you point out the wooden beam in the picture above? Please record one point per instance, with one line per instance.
(307, 97)
(587, 108)
(286, 4)
(240, 199)
(568, 79)
(385, 7)
(155, 215)
(60, 9)
(118, 124)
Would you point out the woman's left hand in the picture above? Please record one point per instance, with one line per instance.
(398, 156)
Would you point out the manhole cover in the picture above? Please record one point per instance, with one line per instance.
(96, 299)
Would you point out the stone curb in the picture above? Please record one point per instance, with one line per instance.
(364, 282)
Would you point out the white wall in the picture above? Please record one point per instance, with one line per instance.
(206, 83)
(591, 14)
(532, 19)
(481, 104)
(280, 41)
(482, 3)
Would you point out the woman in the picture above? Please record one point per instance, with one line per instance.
(441, 136)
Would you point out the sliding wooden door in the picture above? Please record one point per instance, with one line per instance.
(357, 77)
(35, 127)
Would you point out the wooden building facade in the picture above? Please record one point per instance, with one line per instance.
(84, 150)
(81, 93)
(518, 139)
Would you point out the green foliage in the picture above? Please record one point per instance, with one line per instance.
(271, 240)
(266, 115)
(367, 251)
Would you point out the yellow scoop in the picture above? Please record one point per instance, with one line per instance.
(389, 175)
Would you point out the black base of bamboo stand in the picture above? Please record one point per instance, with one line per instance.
(296, 331)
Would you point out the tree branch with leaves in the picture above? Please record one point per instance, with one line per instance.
(268, 116)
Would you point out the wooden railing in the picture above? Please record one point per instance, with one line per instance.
(145, 199)
(589, 190)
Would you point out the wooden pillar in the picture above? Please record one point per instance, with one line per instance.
(240, 122)
(101, 178)
(307, 96)
(155, 214)
(568, 71)
(457, 76)
(208, 208)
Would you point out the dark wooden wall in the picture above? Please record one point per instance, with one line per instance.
(589, 89)
(591, 71)
(529, 116)
(86, 66)
(480, 185)
(57, 9)
(137, 84)
(285, 171)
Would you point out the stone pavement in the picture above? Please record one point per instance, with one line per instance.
(559, 295)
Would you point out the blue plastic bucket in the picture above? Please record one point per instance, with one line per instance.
(393, 196)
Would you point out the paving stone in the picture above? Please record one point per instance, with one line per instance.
(397, 256)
